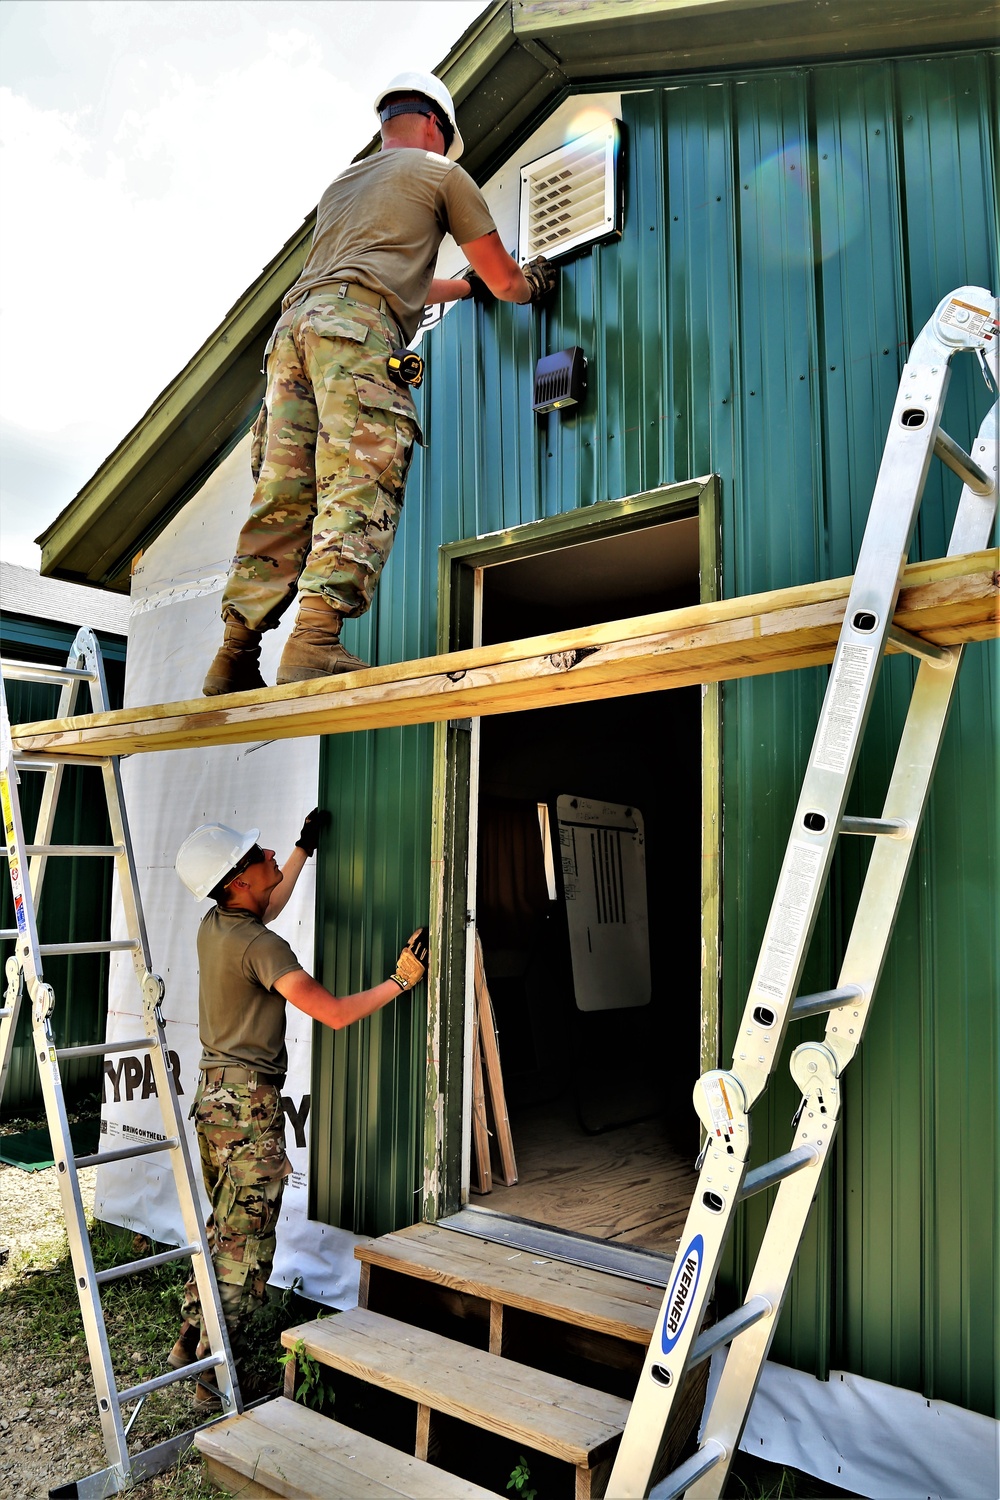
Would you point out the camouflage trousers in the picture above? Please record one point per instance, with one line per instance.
(333, 461)
(241, 1138)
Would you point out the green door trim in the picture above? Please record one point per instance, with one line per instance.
(449, 991)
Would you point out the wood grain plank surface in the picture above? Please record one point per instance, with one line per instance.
(951, 600)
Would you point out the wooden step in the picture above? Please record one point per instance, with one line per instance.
(578, 1295)
(573, 1423)
(284, 1449)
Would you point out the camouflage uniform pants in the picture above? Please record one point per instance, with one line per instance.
(241, 1138)
(334, 459)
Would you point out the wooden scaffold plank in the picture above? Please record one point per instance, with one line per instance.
(948, 601)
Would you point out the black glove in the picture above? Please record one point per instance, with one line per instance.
(411, 965)
(308, 839)
(540, 274)
(478, 290)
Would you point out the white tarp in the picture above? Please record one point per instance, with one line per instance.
(870, 1438)
(174, 632)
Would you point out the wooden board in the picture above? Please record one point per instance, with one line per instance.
(950, 601)
(551, 1289)
(285, 1449)
(570, 1422)
(489, 1047)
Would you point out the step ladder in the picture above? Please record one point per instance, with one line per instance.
(26, 865)
(965, 320)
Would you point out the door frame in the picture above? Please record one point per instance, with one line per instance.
(447, 1100)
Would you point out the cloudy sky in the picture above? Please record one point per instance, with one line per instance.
(154, 155)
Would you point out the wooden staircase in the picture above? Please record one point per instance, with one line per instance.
(463, 1358)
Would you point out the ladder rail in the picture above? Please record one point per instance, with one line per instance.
(25, 974)
(724, 1099)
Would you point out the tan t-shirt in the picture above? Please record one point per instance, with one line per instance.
(381, 222)
(242, 1019)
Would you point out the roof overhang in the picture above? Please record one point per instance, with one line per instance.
(507, 72)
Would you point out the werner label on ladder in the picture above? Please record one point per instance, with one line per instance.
(964, 321)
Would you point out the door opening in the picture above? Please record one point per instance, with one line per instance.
(588, 905)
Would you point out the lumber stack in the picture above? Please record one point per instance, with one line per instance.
(950, 601)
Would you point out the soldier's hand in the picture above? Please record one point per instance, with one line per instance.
(478, 290)
(411, 966)
(313, 826)
(540, 274)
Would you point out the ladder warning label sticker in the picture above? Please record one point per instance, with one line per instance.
(980, 324)
(845, 701)
(719, 1106)
(789, 916)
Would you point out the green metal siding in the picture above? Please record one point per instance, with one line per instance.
(787, 233)
(76, 895)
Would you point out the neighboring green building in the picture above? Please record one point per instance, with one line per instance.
(799, 190)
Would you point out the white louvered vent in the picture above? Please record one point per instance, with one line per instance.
(570, 196)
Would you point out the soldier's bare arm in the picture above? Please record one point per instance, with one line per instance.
(500, 271)
(307, 994)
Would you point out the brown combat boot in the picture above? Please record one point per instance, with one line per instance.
(236, 668)
(185, 1350)
(313, 649)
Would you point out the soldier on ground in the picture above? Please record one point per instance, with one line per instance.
(247, 974)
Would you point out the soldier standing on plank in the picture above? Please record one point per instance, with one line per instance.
(246, 976)
(339, 431)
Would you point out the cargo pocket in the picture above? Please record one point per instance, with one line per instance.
(384, 434)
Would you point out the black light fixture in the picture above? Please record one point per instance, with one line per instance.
(560, 380)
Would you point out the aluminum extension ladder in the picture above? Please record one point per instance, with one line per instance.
(24, 970)
(965, 320)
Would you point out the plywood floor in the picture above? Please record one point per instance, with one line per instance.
(629, 1185)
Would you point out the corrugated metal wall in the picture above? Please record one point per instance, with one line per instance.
(787, 233)
(76, 894)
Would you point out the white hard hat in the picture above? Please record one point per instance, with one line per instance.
(210, 853)
(433, 89)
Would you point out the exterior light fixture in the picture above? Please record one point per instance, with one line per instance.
(560, 380)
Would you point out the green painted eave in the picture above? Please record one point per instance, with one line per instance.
(505, 73)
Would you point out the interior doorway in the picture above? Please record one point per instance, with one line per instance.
(598, 1073)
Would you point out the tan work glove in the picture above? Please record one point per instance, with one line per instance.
(411, 965)
(540, 274)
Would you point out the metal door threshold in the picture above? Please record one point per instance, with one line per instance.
(646, 1266)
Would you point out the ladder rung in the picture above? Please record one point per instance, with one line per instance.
(159, 1381)
(28, 671)
(132, 1267)
(824, 1000)
(85, 851)
(112, 945)
(4, 1014)
(886, 828)
(25, 761)
(933, 655)
(683, 1478)
(962, 464)
(776, 1170)
(125, 1153)
(726, 1329)
(102, 1049)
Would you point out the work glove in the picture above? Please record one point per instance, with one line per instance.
(540, 274)
(313, 826)
(478, 290)
(258, 441)
(411, 965)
